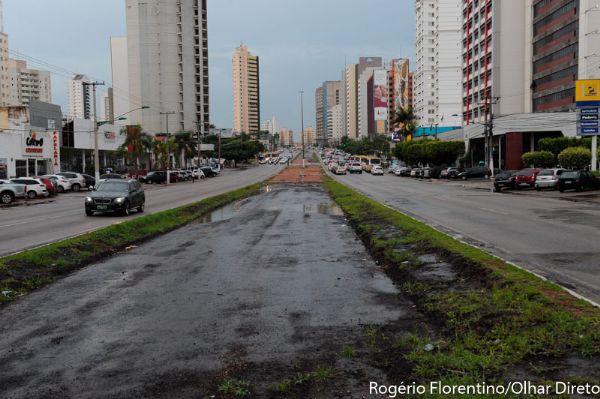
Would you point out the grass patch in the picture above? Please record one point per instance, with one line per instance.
(493, 317)
(26, 271)
(235, 388)
(348, 352)
(296, 384)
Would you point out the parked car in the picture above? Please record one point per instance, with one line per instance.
(118, 196)
(198, 174)
(526, 178)
(340, 169)
(155, 177)
(51, 185)
(427, 173)
(392, 169)
(62, 183)
(578, 180)
(415, 172)
(377, 170)
(77, 180)
(33, 187)
(90, 181)
(404, 171)
(475, 172)
(355, 167)
(110, 176)
(9, 191)
(505, 179)
(208, 172)
(452, 173)
(548, 178)
(445, 173)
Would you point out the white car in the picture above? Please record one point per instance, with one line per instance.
(198, 174)
(77, 180)
(33, 187)
(62, 184)
(377, 170)
(355, 167)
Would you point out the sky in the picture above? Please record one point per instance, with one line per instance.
(300, 44)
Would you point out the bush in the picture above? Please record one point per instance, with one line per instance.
(559, 144)
(430, 152)
(541, 159)
(575, 158)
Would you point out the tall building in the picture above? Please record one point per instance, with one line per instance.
(438, 73)
(80, 103)
(286, 137)
(589, 40)
(167, 46)
(326, 97)
(411, 100)
(350, 101)
(366, 116)
(335, 124)
(270, 126)
(122, 101)
(246, 91)
(4, 78)
(27, 84)
(106, 106)
(497, 58)
(309, 136)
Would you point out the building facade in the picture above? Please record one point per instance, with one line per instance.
(80, 101)
(309, 136)
(335, 124)
(5, 89)
(122, 101)
(350, 101)
(327, 96)
(271, 126)
(589, 40)
(27, 84)
(246, 91)
(167, 48)
(286, 137)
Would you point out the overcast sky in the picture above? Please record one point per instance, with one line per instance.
(300, 43)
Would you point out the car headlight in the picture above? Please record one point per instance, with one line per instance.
(89, 200)
(120, 200)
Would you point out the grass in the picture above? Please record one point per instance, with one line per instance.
(235, 387)
(496, 317)
(301, 380)
(29, 270)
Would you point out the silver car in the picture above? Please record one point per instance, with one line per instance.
(77, 180)
(548, 178)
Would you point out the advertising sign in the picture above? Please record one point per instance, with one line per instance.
(380, 95)
(587, 120)
(110, 136)
(400, 73)
(587, 91)
(34, 144)
(55, 153)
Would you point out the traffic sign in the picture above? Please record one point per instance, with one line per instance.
(589, 130)
(589, 111)
(585, 117)
(589, 124)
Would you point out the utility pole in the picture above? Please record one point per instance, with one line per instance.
(96, 150)
(167, 144)
(219, 151)
(302, 124)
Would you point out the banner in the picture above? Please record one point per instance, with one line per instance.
(380, 95)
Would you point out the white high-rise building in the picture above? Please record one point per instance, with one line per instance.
(335, 124)
(438, 74)
(122, 102)
(80, 103)
(27, 84)
(167, 49)
(271, 126)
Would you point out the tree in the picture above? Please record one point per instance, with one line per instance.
(405, 121)
(185, 146)
(559, 144)
(541, 159)
(575, 158)
(433, 152)
(136, 144)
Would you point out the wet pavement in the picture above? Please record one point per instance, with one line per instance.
(268, 281)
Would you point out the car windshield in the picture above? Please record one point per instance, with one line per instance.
(570, 175)
(114, 186)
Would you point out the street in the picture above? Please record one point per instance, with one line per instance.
(255, 292)
(554, 238)
(25, 227)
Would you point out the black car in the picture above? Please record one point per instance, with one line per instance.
(478, 171)
(109, 176)
(505, 179)
(157, 177)
(208, 171)
(578, 180)
(90, 181)
(453, 173)
(116, 196)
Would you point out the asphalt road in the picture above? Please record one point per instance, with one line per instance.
(25, 227)
(554, 238)
(273, 281)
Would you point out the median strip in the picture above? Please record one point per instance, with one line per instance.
(29, 270)
(492, 320)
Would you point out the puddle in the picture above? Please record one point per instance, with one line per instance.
(330, 209)
(221, 214)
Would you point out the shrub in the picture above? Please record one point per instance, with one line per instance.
(575, 157)
(541, 159)
(430, 152)
(559, 144)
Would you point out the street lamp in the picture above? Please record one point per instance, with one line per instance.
(167, 143)
(302, 123)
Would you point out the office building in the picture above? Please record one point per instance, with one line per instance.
(167, 49)
(326, 97)
(335, 124)
(350, 101)
(246, 91)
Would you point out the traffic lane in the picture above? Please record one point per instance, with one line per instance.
(26, 227)
(260, 287)
(551, 237)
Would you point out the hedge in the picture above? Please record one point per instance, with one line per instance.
(575, 158)
(541, 159)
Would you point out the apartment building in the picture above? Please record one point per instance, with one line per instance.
(246, 91)
(27, 84)
(80, 101)
(326, 97)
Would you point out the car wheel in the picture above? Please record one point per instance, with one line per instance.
(60, 189)
(89, 212)
(31, 194)
(141, 208)
(7, 197)
(127, 209)
(75, 188)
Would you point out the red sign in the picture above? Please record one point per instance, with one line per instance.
(56, 156)
(31, 150)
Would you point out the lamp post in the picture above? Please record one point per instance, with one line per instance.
(302, 122)
(167, 144)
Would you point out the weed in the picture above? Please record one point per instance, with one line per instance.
(235, 387)
(348, 352)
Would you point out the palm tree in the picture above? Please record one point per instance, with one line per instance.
(136, 144)
(405, 121)
(185, 146)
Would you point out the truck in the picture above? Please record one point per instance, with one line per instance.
(9, 191)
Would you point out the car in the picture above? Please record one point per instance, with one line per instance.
(445, 173)
(505, 179)
(116, 196)
(9, 191)
(110, 176)
(392, 169)
(452, 173)
(208, 171)
(62, 183)
(377, 170)
(340, 169)
(475, 172)
(526, 178)
(33, 187)
(404, 171)
(577, 180)
(427, 173)
(90, 181)
(155, 177)
(355, 167)
(77, 180)
(415, 172)
(548, 178)
(198, 174)
(51, 185)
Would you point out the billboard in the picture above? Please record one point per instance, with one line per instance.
(400, 71)
(380, 95)
(587, 91)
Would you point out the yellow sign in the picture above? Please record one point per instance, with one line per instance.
(587, 90)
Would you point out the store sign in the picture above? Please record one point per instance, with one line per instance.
(587, 90)
(55, 153)
(34, 144)
(110, 136)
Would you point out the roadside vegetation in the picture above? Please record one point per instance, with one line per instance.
(491, 321)
(26, 271)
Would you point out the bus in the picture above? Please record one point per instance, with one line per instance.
(368, 162)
